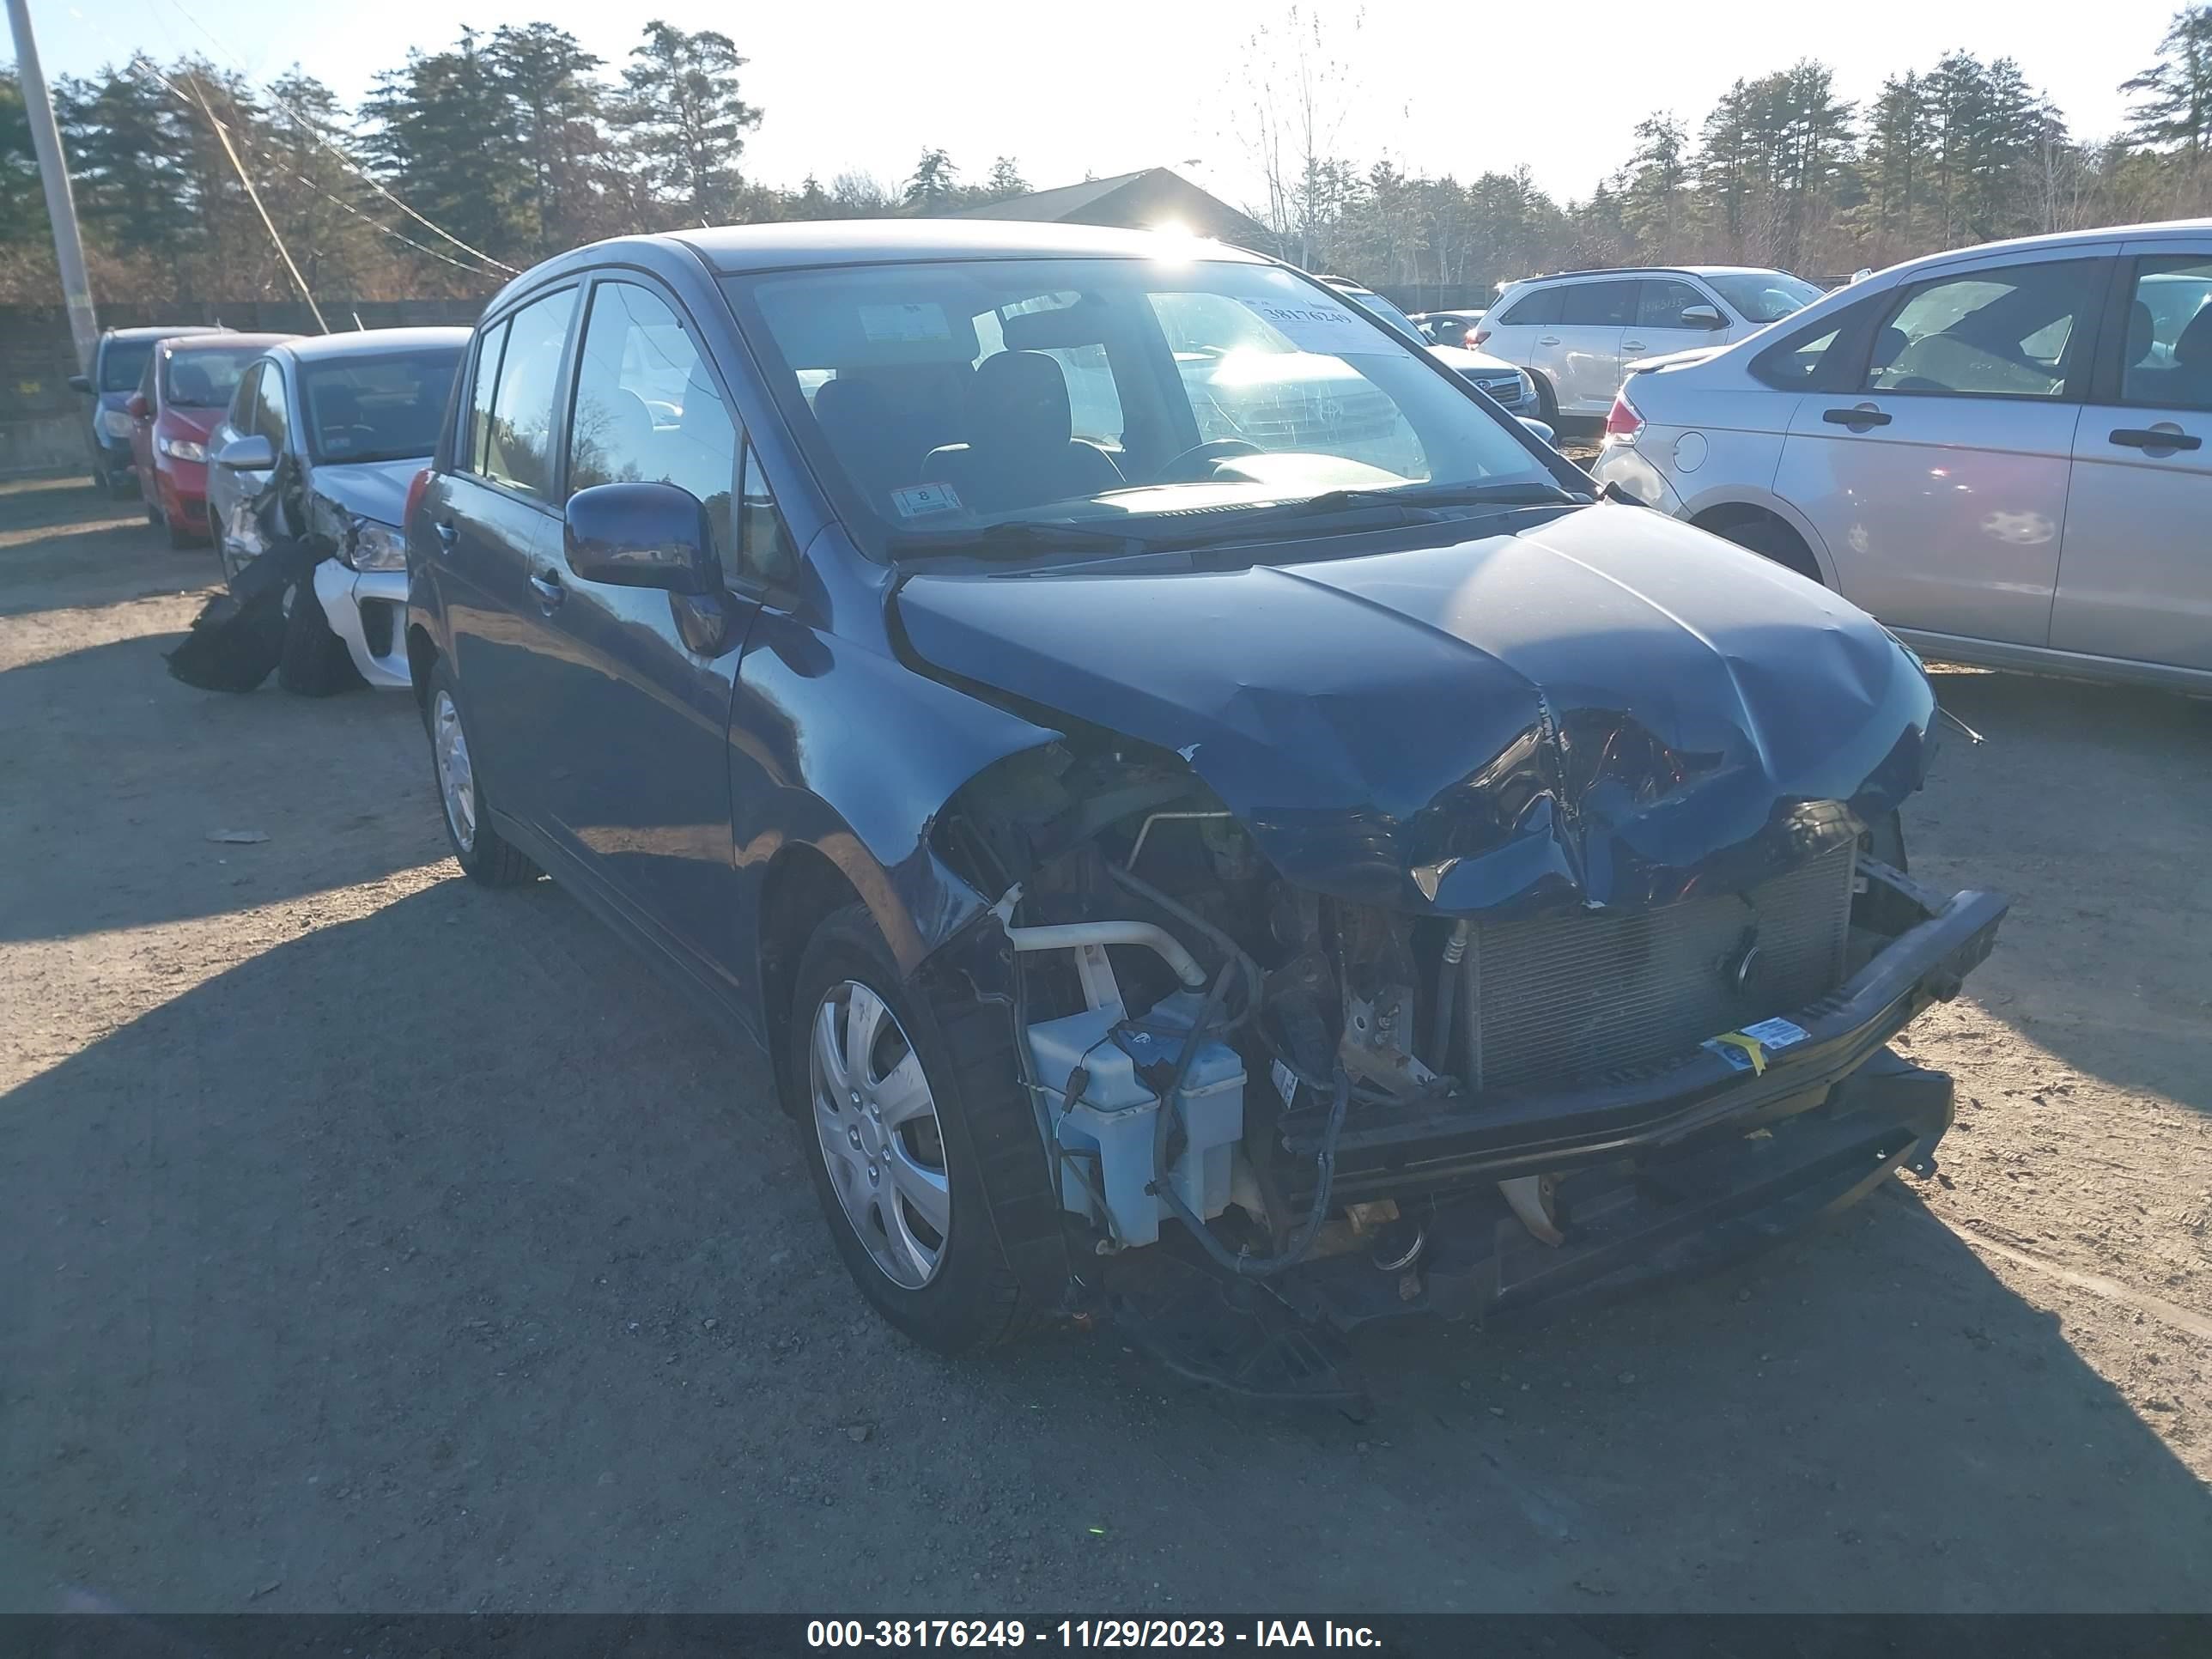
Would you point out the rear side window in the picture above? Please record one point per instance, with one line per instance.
(647, 408)
(2167, 357)
(1599, 305)
(518, 437)
(1542, 307)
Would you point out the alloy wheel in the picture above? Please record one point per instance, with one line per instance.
(882, 1142)
(457, 778)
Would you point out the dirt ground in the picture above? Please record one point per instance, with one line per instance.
(372, 1242)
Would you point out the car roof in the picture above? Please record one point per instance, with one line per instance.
(163, 331)
(224, 340)
(1652, 270)
(730, 250)
(370, 342)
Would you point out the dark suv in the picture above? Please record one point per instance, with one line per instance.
(1150, 840)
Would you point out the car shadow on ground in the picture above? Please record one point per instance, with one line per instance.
(438, 1260)
(2102, 838)
(63, 548)
(102, 739)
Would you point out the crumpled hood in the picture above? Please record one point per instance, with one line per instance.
(1608, 709)
(369, 489)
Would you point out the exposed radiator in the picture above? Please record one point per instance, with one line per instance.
(1563, 998)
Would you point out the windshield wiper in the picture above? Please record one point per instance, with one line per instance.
(1012, 536)
(1525, 492)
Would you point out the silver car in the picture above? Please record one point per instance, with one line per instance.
(322, 439)
(2004, 452)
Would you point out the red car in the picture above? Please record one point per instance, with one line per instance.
(188, 383)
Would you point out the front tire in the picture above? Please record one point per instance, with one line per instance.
(485, 855)
(315, 663)
(889, 1143)
(179, 538)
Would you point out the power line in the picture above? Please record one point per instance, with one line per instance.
(139, 63)
(367, 177)
(284, 253)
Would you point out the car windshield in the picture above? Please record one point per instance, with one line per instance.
(377, 409)
(122, 364)
(204, 379)
(1126, 395)
(1764, 297)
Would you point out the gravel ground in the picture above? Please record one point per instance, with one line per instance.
(371, 1242)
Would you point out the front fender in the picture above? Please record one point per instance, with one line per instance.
(841, 749)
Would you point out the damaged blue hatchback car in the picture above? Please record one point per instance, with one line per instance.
(1212, 821)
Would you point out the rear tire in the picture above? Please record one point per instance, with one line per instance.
(963, 1293)
(485, 855)
(315, 663)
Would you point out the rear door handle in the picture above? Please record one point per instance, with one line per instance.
(2168, 437)
(1633, 345)
(1858, 419)
(549, 591)
(1547, 339)
(446, 535)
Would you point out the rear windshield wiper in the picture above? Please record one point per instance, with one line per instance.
(1014, 536)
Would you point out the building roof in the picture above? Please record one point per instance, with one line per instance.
(1134, 199)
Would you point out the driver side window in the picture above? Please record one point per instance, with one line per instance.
(2007, 332)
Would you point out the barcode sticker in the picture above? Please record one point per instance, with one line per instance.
(1285, 1084)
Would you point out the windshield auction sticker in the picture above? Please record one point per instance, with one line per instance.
(905, 323)
(1317, 326)
(918, 500)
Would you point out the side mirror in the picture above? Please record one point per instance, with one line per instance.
(81, 382)
(136, 407)
(1541, 431)
(251, 453)
(1702, 317)
(641, 535)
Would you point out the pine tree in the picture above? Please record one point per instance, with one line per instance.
(2176, 108)
(546, 76)
(934, 187)
(686, 120)
(442, 132)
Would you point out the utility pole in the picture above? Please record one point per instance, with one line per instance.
(53, 169)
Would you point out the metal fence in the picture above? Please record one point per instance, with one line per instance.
(42, 425)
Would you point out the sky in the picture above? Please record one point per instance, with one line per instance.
(1073, 90)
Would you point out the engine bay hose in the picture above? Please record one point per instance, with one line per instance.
(1294, 1249)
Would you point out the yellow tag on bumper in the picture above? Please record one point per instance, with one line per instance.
(1753, 1050)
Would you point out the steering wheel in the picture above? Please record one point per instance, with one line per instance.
(1193, 465)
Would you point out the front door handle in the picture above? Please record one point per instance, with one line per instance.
(1547, 339)
(446, 535)
(1858, 419)
(2162, 436)
(1633, 345)
(549, 591)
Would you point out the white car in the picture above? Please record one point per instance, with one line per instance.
(1508, 387)
(2003, 453)
(1577, 330)
(338, 426)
